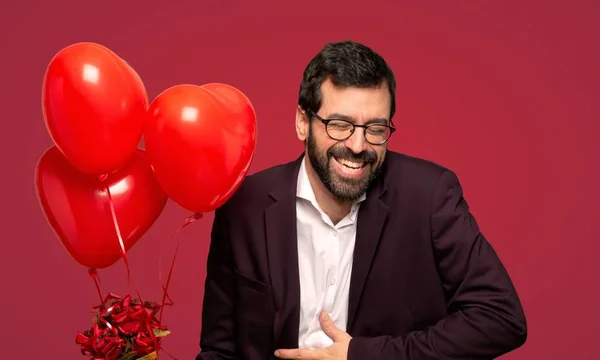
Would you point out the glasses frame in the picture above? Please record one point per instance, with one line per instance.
(354, 126)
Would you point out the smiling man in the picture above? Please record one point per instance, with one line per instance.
(353, 251)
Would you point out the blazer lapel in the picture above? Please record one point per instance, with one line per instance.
(282, 251)
(371, 220)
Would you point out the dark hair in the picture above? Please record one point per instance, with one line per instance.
(346, 64)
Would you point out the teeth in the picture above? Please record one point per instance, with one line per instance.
(351, 164)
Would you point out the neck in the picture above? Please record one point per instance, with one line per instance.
(335, 208)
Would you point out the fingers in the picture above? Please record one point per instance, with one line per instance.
(299, 354)
(326, 323)
(329, 327)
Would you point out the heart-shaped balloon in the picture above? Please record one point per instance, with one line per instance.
(242, 119)
(77, 206)
(200, 141)
(94, 105)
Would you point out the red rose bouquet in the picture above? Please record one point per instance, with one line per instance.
(124, 328)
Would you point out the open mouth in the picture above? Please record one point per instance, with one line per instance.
(350, 167)
(349, 164)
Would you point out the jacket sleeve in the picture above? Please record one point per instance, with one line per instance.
(485, 320)
(217, 339)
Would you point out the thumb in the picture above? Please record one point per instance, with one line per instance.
(329, 327)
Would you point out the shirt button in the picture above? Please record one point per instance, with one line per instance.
(332, 281)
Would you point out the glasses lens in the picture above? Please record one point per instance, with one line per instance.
(339, 129)
(377, 134)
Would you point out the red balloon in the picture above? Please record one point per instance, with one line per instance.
(201, 141)
(94, 106)
(139, 86)
(77, 208)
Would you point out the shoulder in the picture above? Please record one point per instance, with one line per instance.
(413, 169)
(255, 188)
(417, 176)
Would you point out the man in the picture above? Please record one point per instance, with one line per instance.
(353, 251)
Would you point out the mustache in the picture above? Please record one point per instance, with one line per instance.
(369, 157)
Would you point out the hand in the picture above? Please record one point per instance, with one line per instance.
(337, 351)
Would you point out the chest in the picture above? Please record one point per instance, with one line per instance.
(325, 252)
(310, 265)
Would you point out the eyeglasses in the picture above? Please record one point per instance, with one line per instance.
(339, 129)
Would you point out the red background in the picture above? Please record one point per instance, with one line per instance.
(505, 93)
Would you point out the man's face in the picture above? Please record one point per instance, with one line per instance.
(346, 167)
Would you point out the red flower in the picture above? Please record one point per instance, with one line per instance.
(124, 327)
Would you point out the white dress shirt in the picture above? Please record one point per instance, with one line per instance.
(325, 253)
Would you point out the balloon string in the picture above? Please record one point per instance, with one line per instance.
(165, 286)
(94, 275)
(117, 228)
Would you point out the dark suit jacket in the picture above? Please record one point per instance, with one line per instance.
(425, 282)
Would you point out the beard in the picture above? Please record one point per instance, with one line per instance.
(343, 188)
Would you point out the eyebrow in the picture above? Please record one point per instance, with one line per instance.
(338, 116)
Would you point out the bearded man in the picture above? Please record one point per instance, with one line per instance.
(353, 251)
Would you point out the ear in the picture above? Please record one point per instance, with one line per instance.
(301, 124)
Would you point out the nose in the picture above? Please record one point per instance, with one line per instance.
(356, 142)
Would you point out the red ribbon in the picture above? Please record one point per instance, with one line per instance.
(94, 275)
(113, 215)
(165, 287)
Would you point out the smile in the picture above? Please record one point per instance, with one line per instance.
(350, 168)
(351, 164)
